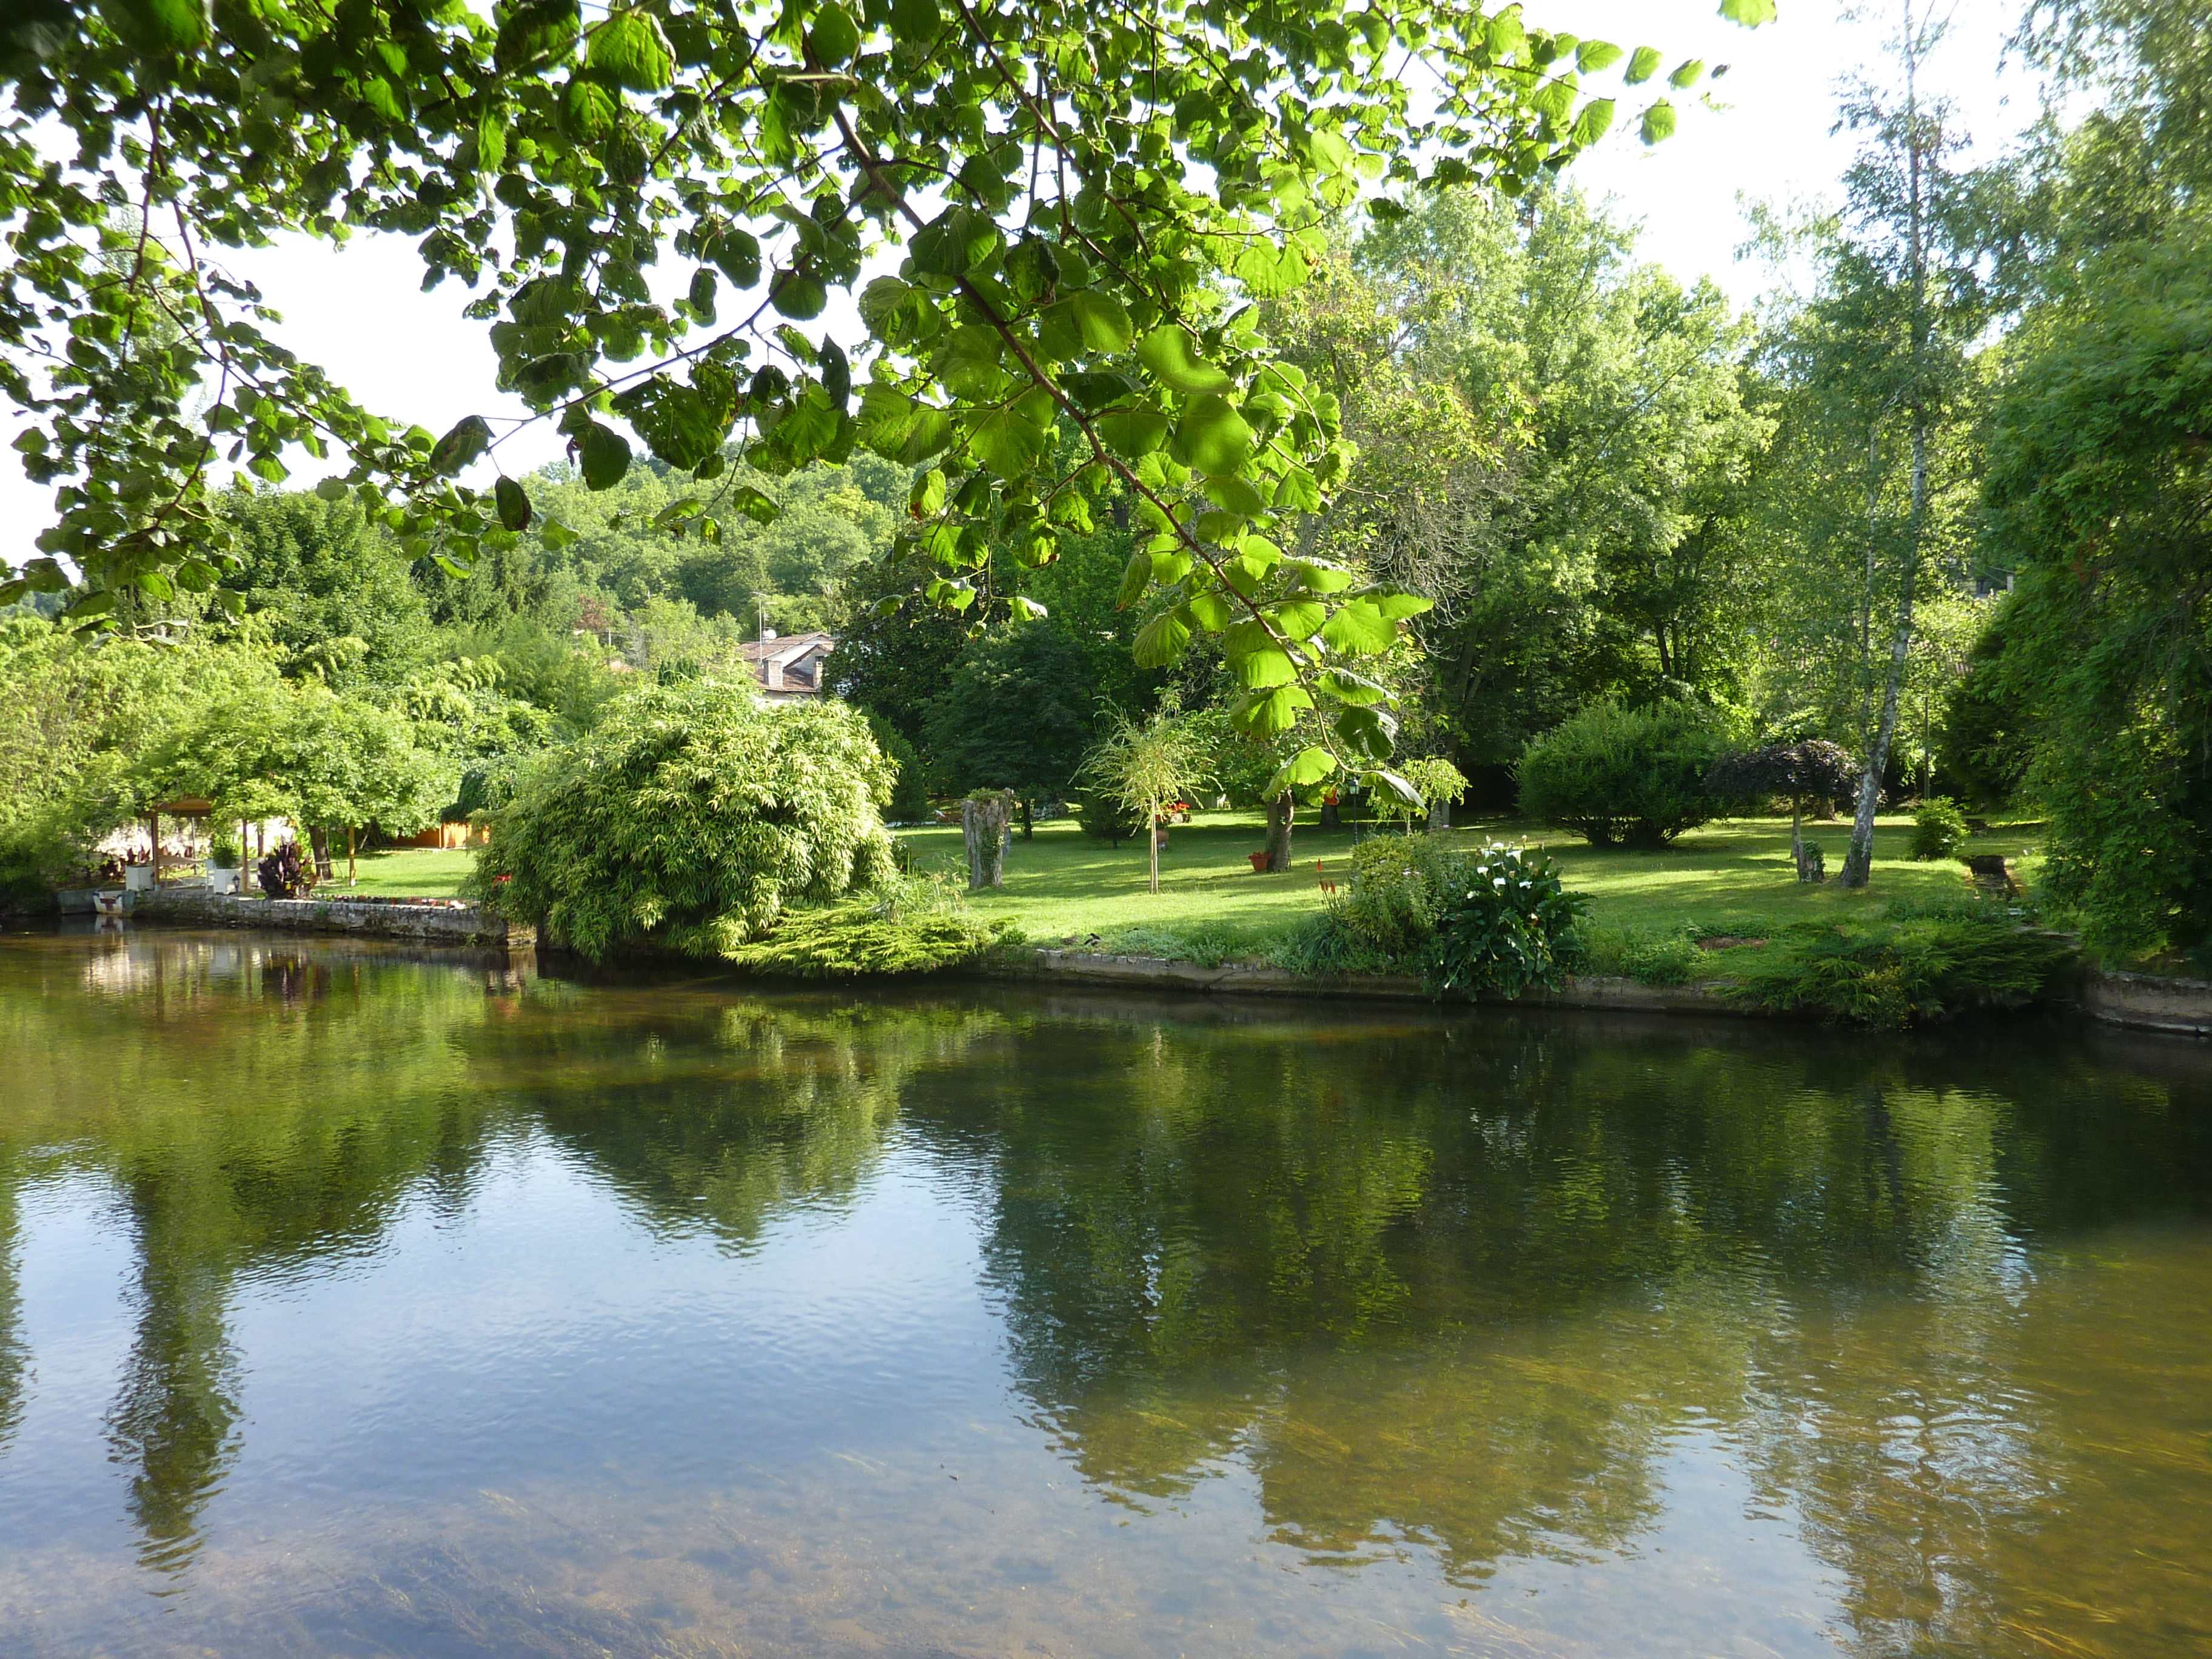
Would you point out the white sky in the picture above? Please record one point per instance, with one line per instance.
(411, 356)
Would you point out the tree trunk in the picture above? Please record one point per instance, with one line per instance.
(1155, 830)
(983, 827)
(352, 879)
(1858, 862)
(319, 842)
(1029, 821)
(1281, 811)
(1439, 815)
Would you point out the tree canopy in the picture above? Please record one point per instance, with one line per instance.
(1087, 199)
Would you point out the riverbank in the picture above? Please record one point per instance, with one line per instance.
(447, 920)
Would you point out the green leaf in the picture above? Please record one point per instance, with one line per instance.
(1642, 66)
(1102, 319)
(1235, 494)
(1171, 353)
(900, 429)
(760, 507)
(1593, 55)
(1360, 629)
(1344, 686)
(1319, 576)
(1686, 74)
(604, 455)
(630, 49)
(468, 440)
(1136, 577)
(331, 489)
(1751, 13)
(1307, 766)
(1594, 123)
(1394, 602)
(557, 535)
(968, 363)
(833, 35)
(1658, 123)
(589, 111)
(1214, 436)
(1211, 611)
(1262, 665)
(736, 253)
(1391, 782)
(916, 22)
(157, 27)
(491, 143)
(513, 501)
(1006, 439)
(1298, 619)
(1367, 731)
(1130, 433)
(926, 499)
(1161, 640)
(1269, 714)
(797, 295)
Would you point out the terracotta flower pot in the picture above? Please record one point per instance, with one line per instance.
(1259, 863)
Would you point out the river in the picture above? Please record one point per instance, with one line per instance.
(361, 1301)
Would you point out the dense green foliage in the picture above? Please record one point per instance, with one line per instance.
(1081, 194)
(1506, 923)
(868, 939)
(1902, 971)
(1939, 829)
(691, 817)
(1621, 775)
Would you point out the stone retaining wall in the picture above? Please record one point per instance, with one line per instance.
(2150, 1002)
(447, 923)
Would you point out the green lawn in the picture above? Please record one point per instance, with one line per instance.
(1732, 877)
(406, 872)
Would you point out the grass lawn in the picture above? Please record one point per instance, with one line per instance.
(1734, 877)
(405, 873)
(1730, 878)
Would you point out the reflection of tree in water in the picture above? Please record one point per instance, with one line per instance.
(243, 1145)
(239, 1145)
(1469, 1293)
(1455, 1292)
(14, 1355)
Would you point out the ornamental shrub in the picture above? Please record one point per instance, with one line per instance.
(1104, 818)
(1939, 829)
(1914, 967)
(1615, 774)
(1506, 922)
(691, 818)
(1390, 901)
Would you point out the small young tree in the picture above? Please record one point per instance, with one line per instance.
(1148, 765)
(1805, 773)
(1438, 781)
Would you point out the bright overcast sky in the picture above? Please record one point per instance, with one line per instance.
(412, 356)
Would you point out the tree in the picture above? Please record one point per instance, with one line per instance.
(1082, 194)
(693, 816)
(1018, 713)
(1810, 770)
(1885, 347)
(2098, 480)
(1147, 766)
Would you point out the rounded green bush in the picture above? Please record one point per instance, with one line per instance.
(1939, 829)
(691, 818)
(1619, 775)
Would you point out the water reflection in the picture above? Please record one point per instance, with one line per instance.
(1461, 1302)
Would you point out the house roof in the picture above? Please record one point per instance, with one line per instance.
(790, 663)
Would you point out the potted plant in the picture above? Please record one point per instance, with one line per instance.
(222, 866)
(138, 877)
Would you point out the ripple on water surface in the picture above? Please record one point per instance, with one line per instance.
(359, 1302)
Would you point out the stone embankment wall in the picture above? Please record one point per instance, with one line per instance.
(2142, 1000)
(455, 924)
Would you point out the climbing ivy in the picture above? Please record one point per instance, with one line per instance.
(1089, 198)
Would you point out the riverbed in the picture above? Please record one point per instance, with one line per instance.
(357, 1300)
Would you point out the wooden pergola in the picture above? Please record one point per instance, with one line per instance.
(185, 806)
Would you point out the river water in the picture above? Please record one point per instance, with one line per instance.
(361, 1301)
